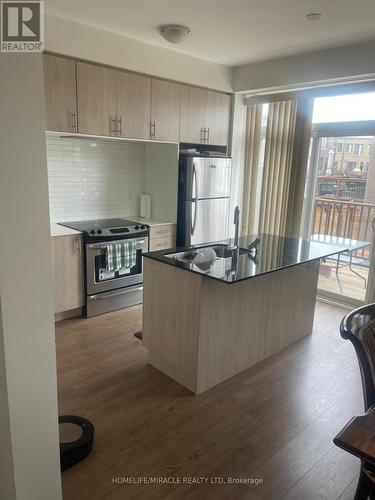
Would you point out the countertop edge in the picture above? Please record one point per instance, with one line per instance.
(159, 257)
(57, 230)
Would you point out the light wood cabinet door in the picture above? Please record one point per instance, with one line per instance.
(96, 95)
(165, 110)
(67, 269)
(60, 93)
(218, 116)
(133, 105)
(162, 236)
(193, 114)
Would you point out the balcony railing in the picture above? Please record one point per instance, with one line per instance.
(344, 219)
(342, 188)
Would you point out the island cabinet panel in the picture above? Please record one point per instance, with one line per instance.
(133, 105)
(172, 339)
(96, 94)
(60, 93)
(67, 267)
(193, 122)
(165, 110)
(200, 331)
(244, 323)
(218, 118)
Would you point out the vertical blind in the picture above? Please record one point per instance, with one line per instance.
(277, 167)
(252, 152)
(283, 169)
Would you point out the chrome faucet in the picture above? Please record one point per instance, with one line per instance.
(236, 222)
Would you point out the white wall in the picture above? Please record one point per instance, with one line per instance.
(28, 364)
(351, 61)
(161, 179)
(94, 178)
(7, 480)
(70, 38)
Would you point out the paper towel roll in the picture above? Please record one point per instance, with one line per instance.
(145, 206)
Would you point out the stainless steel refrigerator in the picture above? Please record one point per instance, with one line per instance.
(203, 199)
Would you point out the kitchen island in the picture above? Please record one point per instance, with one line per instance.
(209, 313)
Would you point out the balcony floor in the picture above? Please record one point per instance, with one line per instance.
(352, 285)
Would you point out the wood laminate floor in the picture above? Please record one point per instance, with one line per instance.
(274, 422)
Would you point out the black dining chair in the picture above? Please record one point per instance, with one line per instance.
(359, 327)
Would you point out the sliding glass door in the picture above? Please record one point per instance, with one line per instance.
(340, 206)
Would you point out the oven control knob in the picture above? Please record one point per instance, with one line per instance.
(99, 231)
(143, 226)
(136, 227)
(92, 231)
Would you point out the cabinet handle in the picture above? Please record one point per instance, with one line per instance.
(112, 126)
(203, 135)
(119, 126)
(153, 130)
(74, 120)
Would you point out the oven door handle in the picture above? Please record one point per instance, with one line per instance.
(103, 247)
(107, 295)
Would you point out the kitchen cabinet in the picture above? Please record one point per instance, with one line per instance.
(60, 93)
(193, 114)
(133, 105)
(96, 96)
(67, 270)
(165, 110)
(162, 236)
(204, 116)
(92, 99)
(218, 116)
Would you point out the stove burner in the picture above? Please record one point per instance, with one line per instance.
(106, 228)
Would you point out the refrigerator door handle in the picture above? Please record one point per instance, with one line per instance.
(195, 205)
(195, 182)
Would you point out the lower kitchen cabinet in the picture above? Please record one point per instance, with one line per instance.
(162, 236)
(67, 269)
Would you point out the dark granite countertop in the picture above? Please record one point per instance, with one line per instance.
(274, 253)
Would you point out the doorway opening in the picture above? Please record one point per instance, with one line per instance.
(339, 203)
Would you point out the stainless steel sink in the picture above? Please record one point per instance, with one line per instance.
(222, 252)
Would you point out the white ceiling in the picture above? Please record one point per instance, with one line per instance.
(230, 32)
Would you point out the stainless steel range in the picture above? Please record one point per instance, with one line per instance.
(108, 288)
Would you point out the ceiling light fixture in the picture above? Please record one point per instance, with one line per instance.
(174, 33)
(314, 16)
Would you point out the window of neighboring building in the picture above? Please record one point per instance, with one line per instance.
(339, 147)
(368, 149)
(357, 149)
(349, 147)
(364, 167)
(350, 166)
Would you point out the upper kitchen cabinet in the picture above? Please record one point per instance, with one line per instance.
(60, 93)
(218, 116)
(193, 114)
(92, 99)
(133, 105)
(165, 110)
(96, 97)
(204, 116)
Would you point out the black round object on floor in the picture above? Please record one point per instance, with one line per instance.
(76, 439)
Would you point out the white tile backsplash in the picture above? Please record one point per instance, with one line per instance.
(91, 179)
